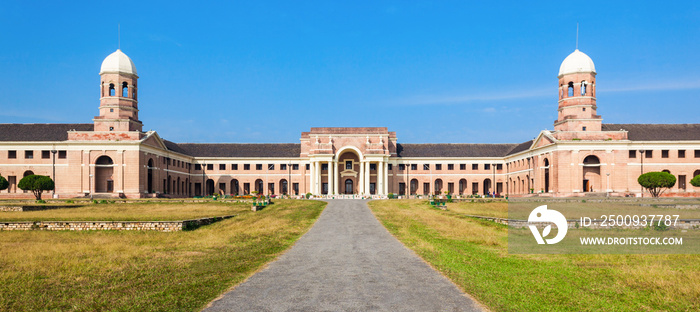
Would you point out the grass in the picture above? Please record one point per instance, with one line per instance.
(474, 255)
(159, 211)
(145, 271)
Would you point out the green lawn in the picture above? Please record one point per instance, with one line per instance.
(146, 271)
(474, 255)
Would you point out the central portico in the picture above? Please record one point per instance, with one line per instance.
(349, 160)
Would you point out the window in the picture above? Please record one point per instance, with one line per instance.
(222, 166)
(583, 89)
(45, 154)
(462, 166)
(234, 167)
(450, 167)
(475, 166)
(664, 154)
(438, 167)
(111, 128)
(295, 167)
(570, 92)
(61, 154)
(197, 167)
(426, 167)
(210, 166)
(389, 166)
(283, 167)
(584, 109)
(258, 166)
(246, 166)
(499, 167)
(28, 154)
(648, 154)
(11, 154)
(308, 166)
(584, 128)
(373, 167)
(324, 167)
(402, 167)
(487, 166)
(348, 165)
(271, 167)
(111, 110)
(697, 153)
(633, 154)
(681, 154)
(111, 89)
(125, 89)
(295, 187)
(414, 166)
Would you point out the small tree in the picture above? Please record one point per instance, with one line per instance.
(695, 181)
(36, 184)
(656, 182)
(3, 183)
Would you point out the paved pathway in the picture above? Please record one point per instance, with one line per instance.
(346, 262)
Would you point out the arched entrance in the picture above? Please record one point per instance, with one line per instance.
(438, 187)
(259, 186)
(487, 186)
(349, 186)
(234, 187)
(284, 187)
(104, 168)
(210, 187)
(414, 186)
(546, 175)
(149, 181)
(591, 174)
(462, 186)
(28, 173)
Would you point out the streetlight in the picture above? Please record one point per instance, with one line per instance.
(289, 180)
(409, 181)
(641, 155)
(53, 176)
(493, 187)
(90, 185)
(609, 188)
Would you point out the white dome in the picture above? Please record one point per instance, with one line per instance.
(118, 62)
(577, 62)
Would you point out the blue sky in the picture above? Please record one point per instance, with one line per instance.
(258, 71)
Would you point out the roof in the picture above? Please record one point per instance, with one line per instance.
(118, 62)
(454, 150)
(658, 132)
(576, 62)
(286, 150)
(39, 132)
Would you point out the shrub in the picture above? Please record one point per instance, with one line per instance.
(36, 184)
(41, 201)
(656, 182)
(3, 183)
(694, 182)
(308, 195)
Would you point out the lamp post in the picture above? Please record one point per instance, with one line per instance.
(609, 188)
(90, 185)
(408, 178)
(641, 155)
(53, 175)
(289, 180)
(493, 187)
(204, 166)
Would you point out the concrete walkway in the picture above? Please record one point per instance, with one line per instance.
(346, 262)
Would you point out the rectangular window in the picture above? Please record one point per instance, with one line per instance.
(324, 189)
(450, 188)
(389, 166)
(426, 167)
(295, 187)
(295, 167)
(584, 128)
(648, 154)
(664, 154)
(426, 188)
(61, 154)
(234, 167)
(11, 154)
(475, 188)
(45, 154)
(271, 167)
(697, 153)
(438, 167)
(681, 182)
(681, 154)
(324, 167)
(633, 154)
(414, 166)
(210, 166)
(402, 167)
(348, 165)
(487, 166)
(283, 167)
(246, 188)
(222, 166)
(258, 166)
(499, 167)
(271, 188)
(246, 166)
(475, 166)
(28, 154)
(372, 167)
(450, 167)
(197, 167)
(462, 166)
(402, 188)
(308, 166)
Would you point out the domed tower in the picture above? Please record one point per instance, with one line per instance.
(119, 109)
(577, 103)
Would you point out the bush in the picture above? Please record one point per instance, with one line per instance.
(308, 195)
(41, 201)
(36, 184)
(3, 183)
(656, 182)
(694, 182)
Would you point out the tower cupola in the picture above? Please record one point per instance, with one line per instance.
(577, 101)
(118, 95)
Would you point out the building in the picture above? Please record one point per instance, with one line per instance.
(112, 156)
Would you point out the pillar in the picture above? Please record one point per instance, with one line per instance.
(367, 177)
(312, 177)
(330, 177)
(361, 179)
(380, 178)
(386, 178)
(335, 177)
(317, 179)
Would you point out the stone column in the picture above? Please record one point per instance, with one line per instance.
(312, 176)
(386, 178)
(367, 177)
(335, 177)
(330, 177)
(361, 178)
(380, 178)
(317, 185)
